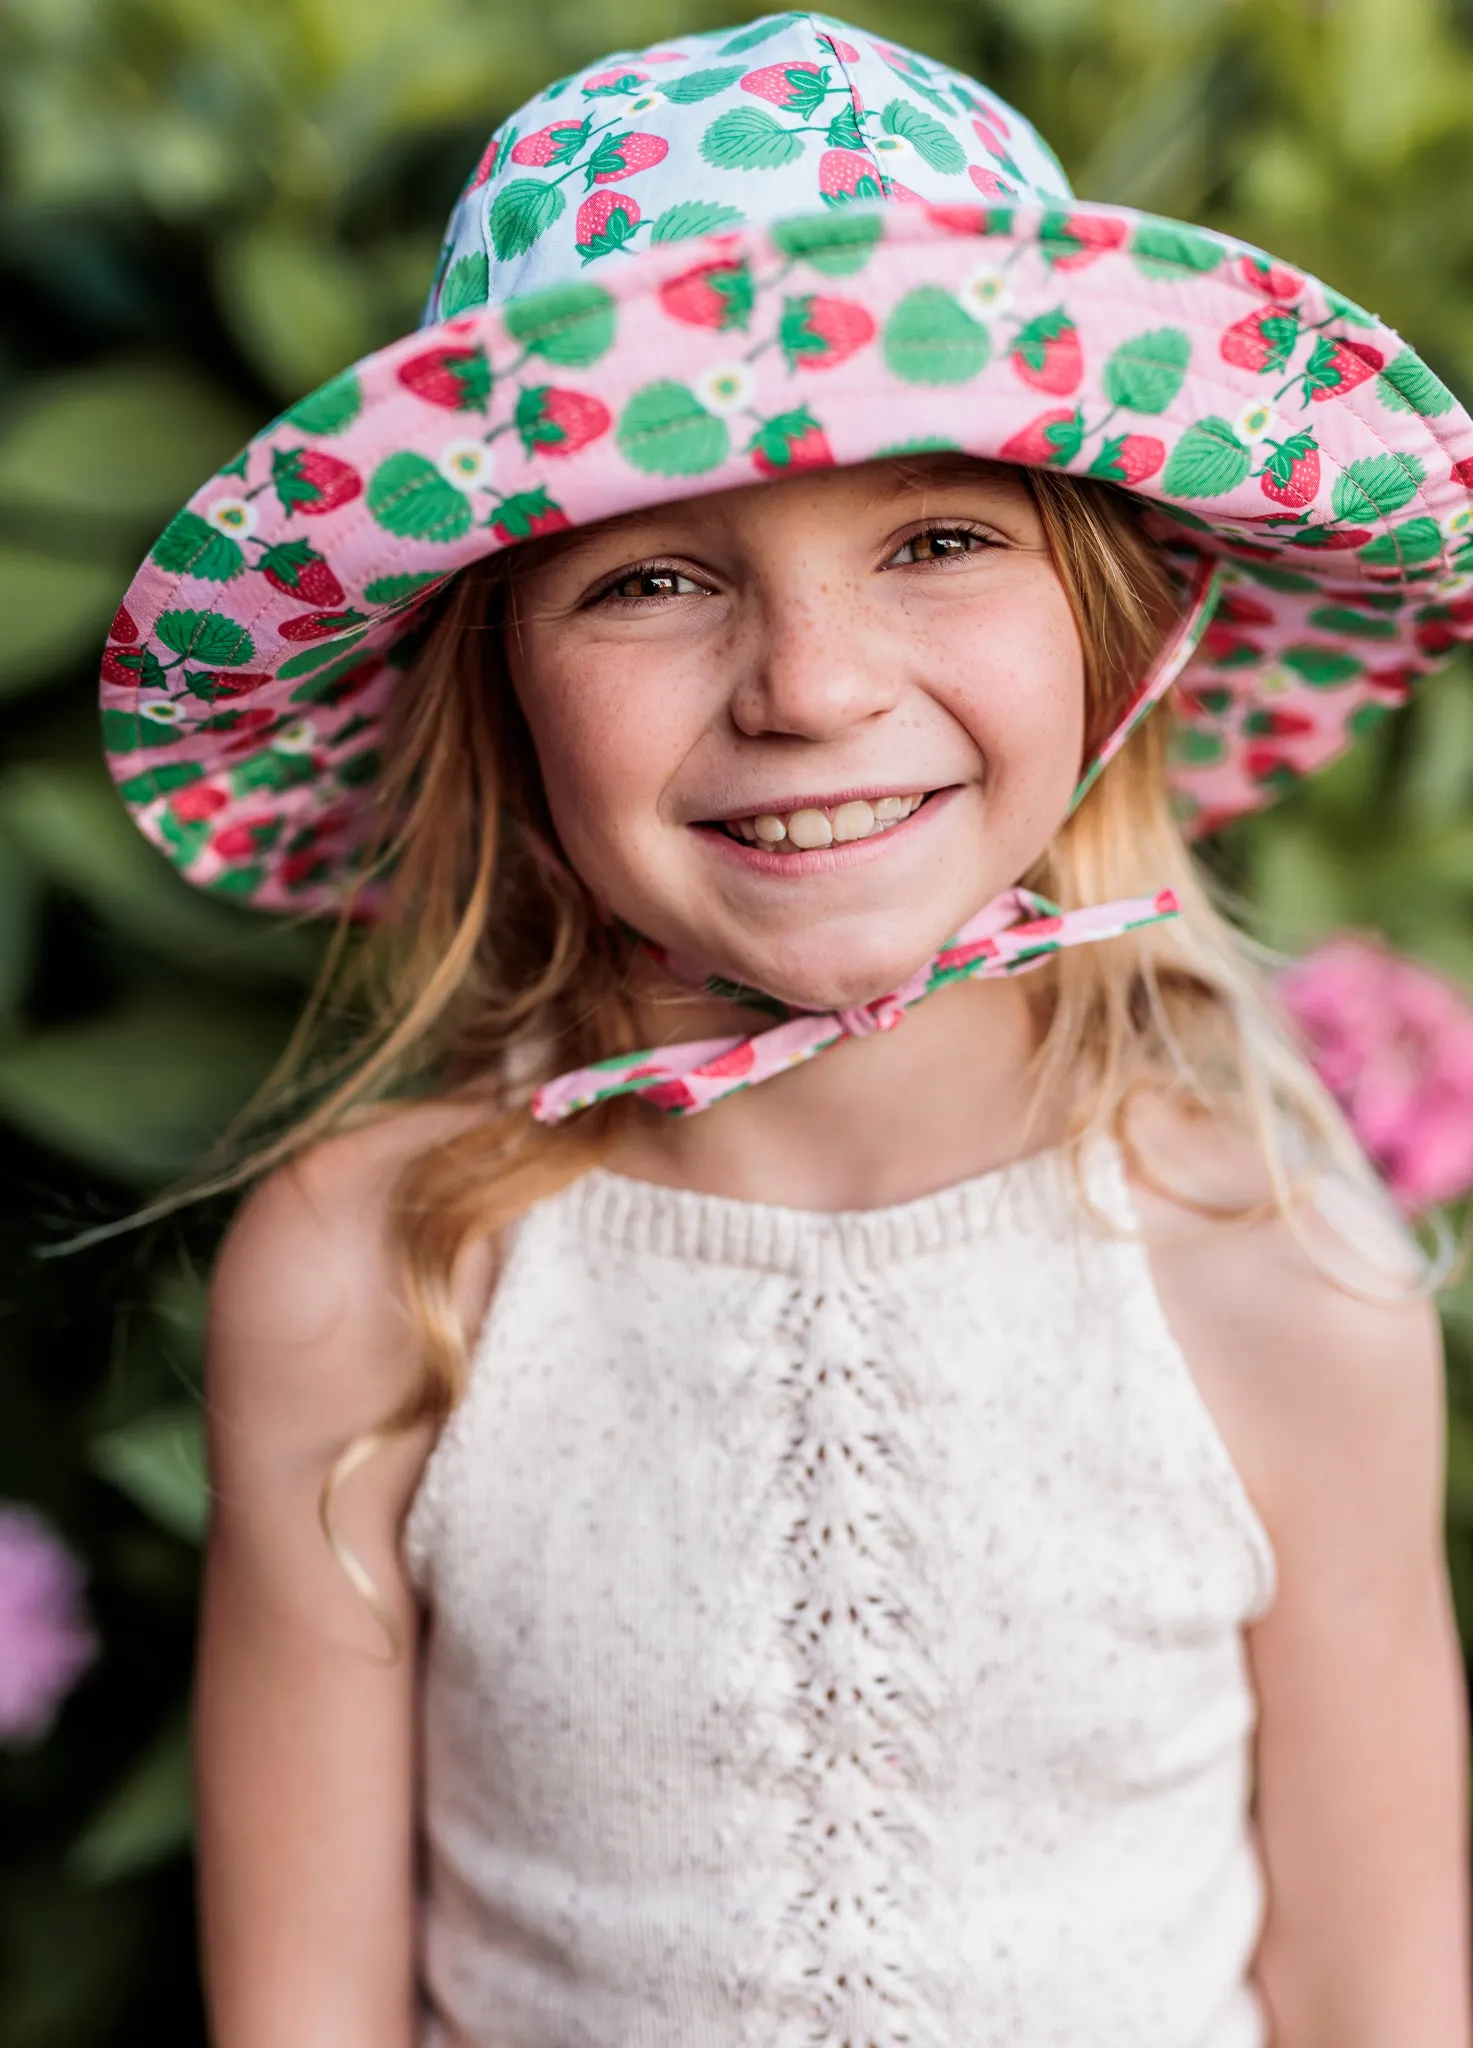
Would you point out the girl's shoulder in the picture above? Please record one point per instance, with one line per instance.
(311, 1338)
(1309, 1332)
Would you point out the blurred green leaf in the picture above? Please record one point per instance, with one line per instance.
(69, 820)
(140, 1091)
(124, 441)
(158, 1460)
(301, 308)
(51, 612)
(148, 1817)
(19, 904)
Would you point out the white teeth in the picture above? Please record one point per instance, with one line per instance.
(854, 820)
(809, 830)
(811, 827)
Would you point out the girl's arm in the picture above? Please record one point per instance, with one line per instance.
(304, 1730)
(1332, 1409)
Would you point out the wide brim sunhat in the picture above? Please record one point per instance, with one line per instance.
(747, 253)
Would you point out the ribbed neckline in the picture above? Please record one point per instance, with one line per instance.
(1030, 1198)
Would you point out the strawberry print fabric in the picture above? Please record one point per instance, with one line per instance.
(740, 254)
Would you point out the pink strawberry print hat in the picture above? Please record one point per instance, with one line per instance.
(735, 255)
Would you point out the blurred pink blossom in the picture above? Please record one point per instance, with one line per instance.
(45, 1641)
(1393, 1043)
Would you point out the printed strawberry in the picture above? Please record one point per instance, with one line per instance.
(798, 88)
(904, 194)
(193, 805)
(847, 174)
(727, 1066)
(559, 422)
(990, 137)
(1244, 610)
(960, 220)
(312, 483)
(1225, 647)
(1274, 280)
(1072, 241)
(1394, 685)
(1261, 341)
(457, 378)
(1046, 354)
(239, 842)
(1338, 366)
(1462, 474)
(791, 440)
(616, 84)
(1054, 437)
(621, 156)
(296, 568)
(845, 52)
(1291, 474)
(320, 625)
(1268, 766)
(671, 1096)
(817, 332)
(556, 144)
(122, 627)
(226, 682)
(486, 167)
(1272, 724)
(300, 869)
(989, 184)
(714, 295)
(606, 222)
(1128, 458)
(1330, 539)
(527, 516)
(122, 667)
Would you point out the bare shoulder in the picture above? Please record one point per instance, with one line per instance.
(1306, 1334)
(310, 1339)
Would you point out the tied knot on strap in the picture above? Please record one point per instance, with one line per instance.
(883, 1014)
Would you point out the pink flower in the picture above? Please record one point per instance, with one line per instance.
(45, 1641)
(1393, 1043)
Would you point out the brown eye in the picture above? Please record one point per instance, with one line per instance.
(940, 544)
(641, 585)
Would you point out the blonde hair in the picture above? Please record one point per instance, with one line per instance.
(488, 970)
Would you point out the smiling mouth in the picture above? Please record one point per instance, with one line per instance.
(813, 826)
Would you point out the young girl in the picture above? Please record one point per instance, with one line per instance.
(903, 1493)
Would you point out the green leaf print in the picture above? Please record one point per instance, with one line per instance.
(1407, 546)
(521, 214)
(333, 683)
(751, 37)
(359, 769)
(207, 638)
(1208, 460)
(316, 656)
(1341, 308)
(844, 131)
(837, 243)
(122, 731)
(1145, 373)
(468, 285)
(1323, 668)
(571, 324)
(690, 217)
(664, 430)
(155, 782)
(408, 496)
(1376, 486)
(749, 139)
(1343, 618)
(1407, 385)
(928, 137)
(700, 85)
(1163, 249)
(190, 546)
(331, 408)
(395, 589)
(931, 339)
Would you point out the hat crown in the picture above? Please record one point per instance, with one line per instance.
(793, 114)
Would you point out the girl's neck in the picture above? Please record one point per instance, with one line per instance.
(873, 1121)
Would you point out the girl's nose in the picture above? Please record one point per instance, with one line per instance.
(814, 673)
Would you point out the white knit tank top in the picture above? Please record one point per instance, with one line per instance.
(835, 1638)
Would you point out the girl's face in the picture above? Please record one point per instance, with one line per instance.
(799, 733)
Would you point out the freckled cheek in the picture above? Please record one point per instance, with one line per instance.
(1022, 703)
(605, 746)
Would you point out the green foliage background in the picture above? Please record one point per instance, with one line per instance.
(204, 210)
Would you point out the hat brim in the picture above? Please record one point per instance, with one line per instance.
(1270, 423)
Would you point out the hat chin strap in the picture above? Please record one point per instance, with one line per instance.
(1014, 932)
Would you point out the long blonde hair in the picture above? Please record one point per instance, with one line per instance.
(488, 970)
